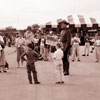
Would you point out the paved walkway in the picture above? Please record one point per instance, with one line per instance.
(82, 84)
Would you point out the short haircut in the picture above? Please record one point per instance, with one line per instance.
(58, 44)
(30, 45)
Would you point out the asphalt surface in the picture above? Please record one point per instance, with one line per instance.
(83, 83)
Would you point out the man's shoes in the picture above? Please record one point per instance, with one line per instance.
(66, 73)
(4, 71)
(62, 82)
(83, 55)
(30, 83)
(87, 54)
(91, 51)
(37, 83)
(57, 82)
(79, 60)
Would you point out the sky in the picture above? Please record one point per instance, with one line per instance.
(22, 13)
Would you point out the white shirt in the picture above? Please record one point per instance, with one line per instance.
(75, 40)
(58, 55)
(42, 42)
(20, 41)
(97, 42)
(28, 36)
(35, 40)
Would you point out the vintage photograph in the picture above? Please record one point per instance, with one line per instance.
(49, 50)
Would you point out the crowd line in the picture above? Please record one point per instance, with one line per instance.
(36, 47)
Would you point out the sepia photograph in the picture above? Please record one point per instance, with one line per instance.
(49, 50)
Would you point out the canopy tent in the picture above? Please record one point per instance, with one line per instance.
(77, 22)
(82, 21)
(94, 22)
(73, 20)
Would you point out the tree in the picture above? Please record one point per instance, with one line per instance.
(10, 30)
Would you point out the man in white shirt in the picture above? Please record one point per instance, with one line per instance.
(20, 42)
(28, 36)
(97, 48)
(75, 44)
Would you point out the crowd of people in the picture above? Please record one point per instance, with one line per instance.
(35, 47)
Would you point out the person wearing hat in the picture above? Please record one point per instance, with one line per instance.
(66, 42)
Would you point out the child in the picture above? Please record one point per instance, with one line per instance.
(31, 56)
(58, 55)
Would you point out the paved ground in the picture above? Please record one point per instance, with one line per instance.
(82, 84)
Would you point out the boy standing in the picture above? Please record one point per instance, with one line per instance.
(58, 55)
(31, 56)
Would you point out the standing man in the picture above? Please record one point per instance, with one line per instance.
(66, 42)
(87, 45)
(20, 42)
(75, 44)
(28, 36)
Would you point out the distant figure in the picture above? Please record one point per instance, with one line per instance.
(2, 55)
(66, 41)
(97, 47)
(28, 36)
(31, 57)
(20, 42)
(42, 46)
(87, 45)
(58, 55)
(75, 44)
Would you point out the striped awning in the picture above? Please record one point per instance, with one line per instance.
(79, 20)
(76, 21)
(73, 20)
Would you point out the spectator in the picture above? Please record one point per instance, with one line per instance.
(87, 45)
(97, 47)
(20, 42)
(2, 55)
(75, 45)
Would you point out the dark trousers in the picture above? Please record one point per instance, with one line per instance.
(66, 61)
(31, 69)
(66, 66)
